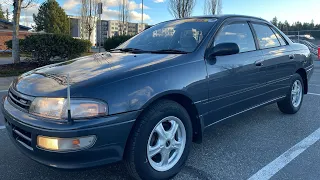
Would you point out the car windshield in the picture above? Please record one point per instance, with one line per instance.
(177, 36)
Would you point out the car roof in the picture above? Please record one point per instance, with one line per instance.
(226, 16)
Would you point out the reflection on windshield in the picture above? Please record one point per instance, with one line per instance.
(182, 35)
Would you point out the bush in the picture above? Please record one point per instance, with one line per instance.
(47, 46)
(9, 44)
(115, 41)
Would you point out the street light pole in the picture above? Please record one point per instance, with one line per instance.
(142, 13)
(100, 28)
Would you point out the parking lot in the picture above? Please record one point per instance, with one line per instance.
(258, 144)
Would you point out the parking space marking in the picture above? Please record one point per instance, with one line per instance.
(280, 162)
(3, 90)
(314, 85)
(314, 94)
(2, 127)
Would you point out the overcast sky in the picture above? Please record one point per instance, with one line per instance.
(156, 11)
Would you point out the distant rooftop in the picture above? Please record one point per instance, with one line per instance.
(8, 22)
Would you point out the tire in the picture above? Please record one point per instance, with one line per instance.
(137, 160)
(287, 105)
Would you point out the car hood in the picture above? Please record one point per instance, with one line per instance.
(90, 71)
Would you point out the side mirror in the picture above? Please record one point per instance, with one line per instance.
(222, 49)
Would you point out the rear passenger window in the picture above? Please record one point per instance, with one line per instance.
(280, 38)
(238, 33)
(266, 37)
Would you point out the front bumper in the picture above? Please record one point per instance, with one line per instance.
(111, 132)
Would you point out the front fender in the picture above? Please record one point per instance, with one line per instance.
(138, 92)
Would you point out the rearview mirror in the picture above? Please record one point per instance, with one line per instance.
(223, 49)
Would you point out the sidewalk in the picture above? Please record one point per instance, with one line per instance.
(9, 60)
(5, 82)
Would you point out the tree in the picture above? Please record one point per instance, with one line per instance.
(7, 14)
(124, 15)
(312, 24)
(286, 26)
(181, 8)
(51, 18)
(89, 11)
(275, 21)
(280, 25)
(210, 7)
(1, 13)
(17, 6)
(219, 8)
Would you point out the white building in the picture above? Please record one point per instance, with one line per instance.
(77, 31)
(112, 28)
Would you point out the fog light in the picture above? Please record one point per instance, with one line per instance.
(65, 144)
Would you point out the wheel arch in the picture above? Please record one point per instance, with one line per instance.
(182, 98)
(302, 72)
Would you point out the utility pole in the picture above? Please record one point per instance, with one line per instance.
(100, 28)
(142, 14)
(124, 5)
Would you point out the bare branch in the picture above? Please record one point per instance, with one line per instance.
(89, 12)
(181, 8)
(124, 15)
(210, 7)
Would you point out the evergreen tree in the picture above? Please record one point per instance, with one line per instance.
(1, 13)
(275, 21)
(51, 18)
(312, 24)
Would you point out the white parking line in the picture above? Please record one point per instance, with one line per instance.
(314, 94)
(3, 90)
(314, 85)
(276, 165)
(2, 127)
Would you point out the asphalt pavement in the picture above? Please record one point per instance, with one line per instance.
(261, 143)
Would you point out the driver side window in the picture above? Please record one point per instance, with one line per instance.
(239, 33)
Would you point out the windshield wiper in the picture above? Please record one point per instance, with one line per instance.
(170, 51)
(132, 50)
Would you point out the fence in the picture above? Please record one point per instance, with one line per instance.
(310, 38)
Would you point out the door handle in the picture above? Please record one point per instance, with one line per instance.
(291, 56)
(259, 63)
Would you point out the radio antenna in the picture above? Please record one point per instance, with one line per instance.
(70, 121)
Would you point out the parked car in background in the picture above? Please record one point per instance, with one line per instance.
(146, 101)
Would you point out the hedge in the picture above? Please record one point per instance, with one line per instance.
(44, 47)
(115, 41)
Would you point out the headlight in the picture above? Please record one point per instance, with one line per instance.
(57, 108)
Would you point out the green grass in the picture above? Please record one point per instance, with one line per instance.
(16, 69)
(8, 70)
(7, 54)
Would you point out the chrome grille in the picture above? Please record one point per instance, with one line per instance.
(19, 101)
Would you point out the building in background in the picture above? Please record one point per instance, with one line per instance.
(78, 32)
(112, 28)
(6, 32)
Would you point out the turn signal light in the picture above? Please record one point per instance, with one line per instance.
(65, 144)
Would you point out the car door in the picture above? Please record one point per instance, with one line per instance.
(278, 61)
(234, 80)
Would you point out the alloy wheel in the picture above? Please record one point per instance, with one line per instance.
(166, 143)
(296, 93)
